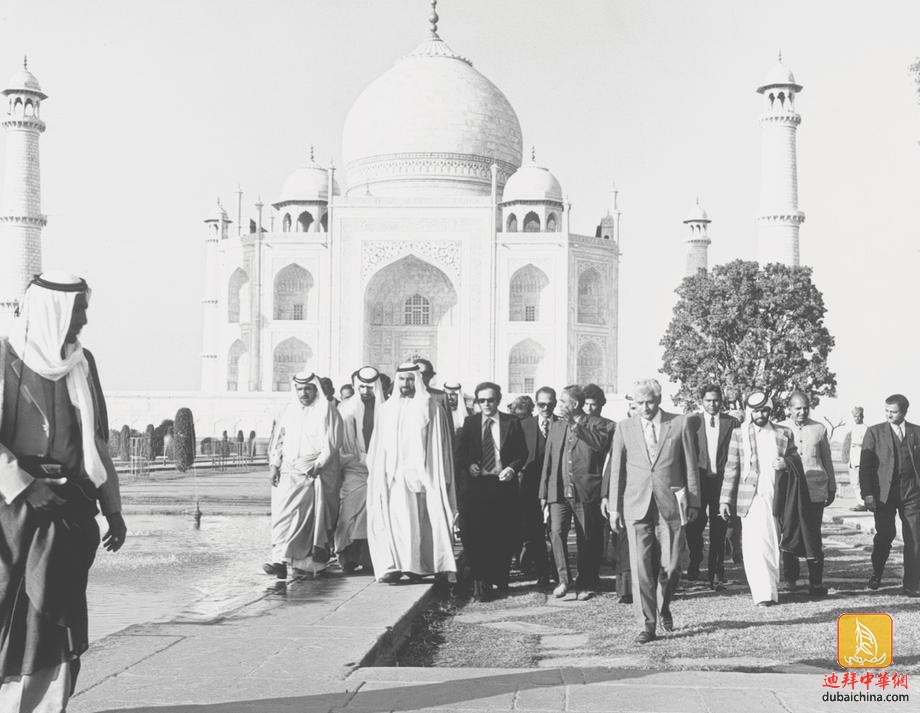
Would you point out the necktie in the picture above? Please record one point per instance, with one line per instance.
(900, 430)
(487, 462)
(712, 421)
(651, 439)
(544, 427)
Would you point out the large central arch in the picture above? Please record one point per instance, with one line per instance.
(408, 312)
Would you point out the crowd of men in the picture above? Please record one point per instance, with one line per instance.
(386, 483)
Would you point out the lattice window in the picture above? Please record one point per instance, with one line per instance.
(417, 311)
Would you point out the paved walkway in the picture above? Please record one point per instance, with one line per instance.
(298, 647)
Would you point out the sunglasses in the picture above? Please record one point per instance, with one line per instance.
(544, 404)
(486, 401)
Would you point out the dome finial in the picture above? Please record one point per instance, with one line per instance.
(311, 154)
(533, 153)
(779, 55)
(433, 19)
(25, 61)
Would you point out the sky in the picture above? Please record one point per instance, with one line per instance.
(155, 109)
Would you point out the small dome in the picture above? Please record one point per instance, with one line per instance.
(217, 215)
(697, 214)
(532, 183)
(779, 76)
(309, 182)
(24, 80)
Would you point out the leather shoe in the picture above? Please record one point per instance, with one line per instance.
(543, 582)
(584, 596)
(911, 593)
(320, 555)
(276, 569)
(875, 581)
(859, 508)
(625, 599)
(667, 623)
(560, 591)
(767, 603)
(817, 591)
(693, 572)
(645, 636)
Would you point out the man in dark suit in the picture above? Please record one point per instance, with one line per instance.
(654, 491)
(712, 430)
(889, 481)
(490, 453)
(570, 485)
(533, 537)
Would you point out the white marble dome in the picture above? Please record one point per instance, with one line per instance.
(24, 80)
(431, 125)
(697, 214)
(779, 76)
(309, 182)
(532, 183)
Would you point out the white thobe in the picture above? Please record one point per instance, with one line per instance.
(760, 538)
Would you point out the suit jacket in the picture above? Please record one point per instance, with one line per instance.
(511, 447)
(877, 460)
(635, 480)
(698, 426)
(739, 487)
(532, 469)
(815, 451)
(586, 454)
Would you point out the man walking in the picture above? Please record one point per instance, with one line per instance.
(889, 480)
(411, 504)
(303, 459)
(359, 417)
(570, 485)
(654, 491)
(532, 556)
(852, 449)
(490, 453)
(457, 406)
(712, 430)
(757, 451)
(54, 469)
(815, 451)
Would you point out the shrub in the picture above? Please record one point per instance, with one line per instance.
(184, 439)
(149, 453)
(124, 443)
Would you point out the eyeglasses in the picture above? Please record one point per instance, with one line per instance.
(544, 404)
(487, 401)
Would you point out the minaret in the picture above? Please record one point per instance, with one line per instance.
(780, 217)
(697, 222)
(21, 219)
(216, 223)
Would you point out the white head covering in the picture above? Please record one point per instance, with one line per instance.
(321, 404)
(369, 375)
(402, 433)
(459, 414)
(353, 408)
(38, 337)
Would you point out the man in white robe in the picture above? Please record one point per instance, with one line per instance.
(457, 405)
(411, 504)
(304, 466)
(757, 450)
(359, 419)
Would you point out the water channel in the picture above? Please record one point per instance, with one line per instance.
(169, 570)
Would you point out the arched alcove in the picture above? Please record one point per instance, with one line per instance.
(531, 223)
(236, 352)
(592, 298)
(524, 294)
(292, 288)
(590, 367)
(235, 287)
(289, 358)
(523, 362)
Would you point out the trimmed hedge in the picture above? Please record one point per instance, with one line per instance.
(184, 439)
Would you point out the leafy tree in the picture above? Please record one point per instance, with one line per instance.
(744, 326)
(184, 439)
(114, 443)
(915, 71)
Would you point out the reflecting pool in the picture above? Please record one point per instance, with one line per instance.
(167, 569)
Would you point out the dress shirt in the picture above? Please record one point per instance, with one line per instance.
(712, 441)
(496, 439)
(898, 430)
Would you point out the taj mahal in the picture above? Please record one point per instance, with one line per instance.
(438, 237)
